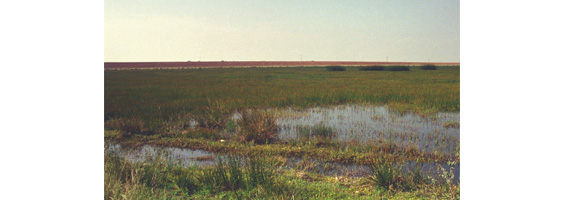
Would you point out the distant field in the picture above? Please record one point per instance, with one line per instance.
(223, 64)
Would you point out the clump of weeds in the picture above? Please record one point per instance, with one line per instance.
(215, 115)
(443, 186)
(257, 126)
(318, 132)
(451, 124)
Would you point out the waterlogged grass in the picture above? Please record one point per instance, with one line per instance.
(237, 112)
(154, 97)
(247, 178)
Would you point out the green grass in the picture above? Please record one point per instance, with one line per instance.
(156, 97)
(156, 107)
(240, 178)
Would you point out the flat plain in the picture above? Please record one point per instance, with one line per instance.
(282, 132)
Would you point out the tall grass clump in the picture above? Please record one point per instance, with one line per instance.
(397, 68)
(215, 115)
(372, 68)
(223, 176)
(335, 68)
(384, 174)
(259, 172)
(443, 186)
(318, 131)
(428, 67)
(154, 178)
(257, 126)
(237, 173)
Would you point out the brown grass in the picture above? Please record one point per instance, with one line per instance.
(257, 126)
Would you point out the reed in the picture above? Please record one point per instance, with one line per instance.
(257, 126)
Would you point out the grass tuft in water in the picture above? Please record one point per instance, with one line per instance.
(318, 131)
(384, 174)
(257, 126)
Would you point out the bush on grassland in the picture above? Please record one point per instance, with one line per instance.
(397, 68)
(428, 67)
(335, 68)
(372, 68)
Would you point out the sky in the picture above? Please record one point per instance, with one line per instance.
(289, 30)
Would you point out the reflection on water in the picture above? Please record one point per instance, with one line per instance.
(371, 123)
(187, 157)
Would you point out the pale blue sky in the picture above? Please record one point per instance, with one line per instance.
(253, 30)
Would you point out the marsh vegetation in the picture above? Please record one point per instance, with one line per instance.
(282, 133)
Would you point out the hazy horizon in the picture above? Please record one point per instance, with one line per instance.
(368, 31)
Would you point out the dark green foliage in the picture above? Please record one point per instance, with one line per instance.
(235, 175)
(372, 68)
(184, 179)
(335, 68)
(384, 174)
(397, 68)
(259, 172)
(155, 173)
(428, 67)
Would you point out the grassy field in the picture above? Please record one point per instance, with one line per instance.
(194, 108)
(162, 94)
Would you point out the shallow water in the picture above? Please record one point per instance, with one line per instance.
(372, 123)
(185, 157)
(354, 170)
(188, 158)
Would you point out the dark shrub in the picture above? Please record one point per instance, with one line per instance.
(397, 68)
(372, 68)
(428, 67)
(335, 68)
